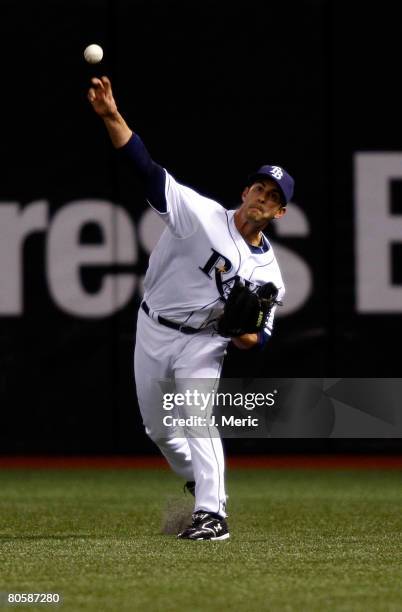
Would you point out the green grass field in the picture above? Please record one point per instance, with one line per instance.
(300, 540)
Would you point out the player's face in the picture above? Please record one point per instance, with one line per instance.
(262, 202)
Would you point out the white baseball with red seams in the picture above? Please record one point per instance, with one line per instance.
(93, 54)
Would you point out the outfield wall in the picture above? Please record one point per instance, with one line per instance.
(215, 90)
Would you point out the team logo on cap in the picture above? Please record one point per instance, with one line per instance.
(277, 172)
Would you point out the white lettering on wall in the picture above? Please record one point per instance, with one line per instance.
(65, 257)
(376, 229)
(16, 225)
(295, 271)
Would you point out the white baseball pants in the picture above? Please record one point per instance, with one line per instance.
(162, 353)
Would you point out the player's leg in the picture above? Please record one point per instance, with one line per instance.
(202, 358)
(152, 364)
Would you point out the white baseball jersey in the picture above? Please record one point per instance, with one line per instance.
(198, 258)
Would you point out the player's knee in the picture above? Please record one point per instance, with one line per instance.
(158, 437)
(161, 440)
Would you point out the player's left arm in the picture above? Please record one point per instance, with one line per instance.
(259, 339)
(246, 341)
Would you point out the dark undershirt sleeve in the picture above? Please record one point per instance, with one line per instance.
(263, 338)
(152, 175)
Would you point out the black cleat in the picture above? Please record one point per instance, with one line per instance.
(190, 487)
(206, 526)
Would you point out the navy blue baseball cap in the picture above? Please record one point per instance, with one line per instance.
(277, 174)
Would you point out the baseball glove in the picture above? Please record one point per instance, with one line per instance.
(246, 312)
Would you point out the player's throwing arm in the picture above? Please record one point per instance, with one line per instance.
(101, 98)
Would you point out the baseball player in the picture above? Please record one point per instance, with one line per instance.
(209, 269)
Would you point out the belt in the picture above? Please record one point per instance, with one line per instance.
(185, 329)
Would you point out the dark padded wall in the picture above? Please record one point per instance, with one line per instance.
(215, 90)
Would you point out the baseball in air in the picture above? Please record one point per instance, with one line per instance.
(93, 54)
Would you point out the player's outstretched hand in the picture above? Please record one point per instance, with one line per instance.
(101, 97)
